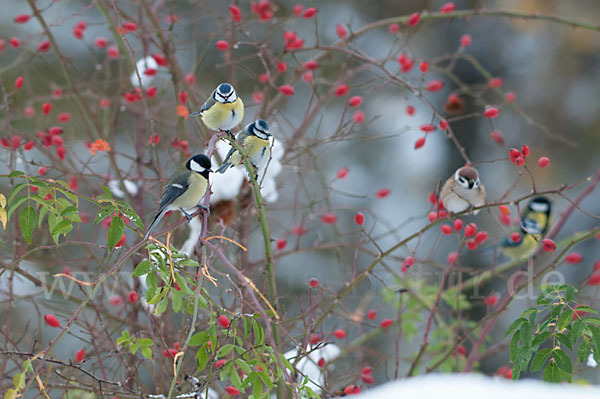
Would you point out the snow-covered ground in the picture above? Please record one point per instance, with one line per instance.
(475, 386)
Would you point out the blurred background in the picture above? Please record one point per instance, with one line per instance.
(552, 69)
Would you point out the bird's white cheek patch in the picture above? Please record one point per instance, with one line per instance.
(196, 167)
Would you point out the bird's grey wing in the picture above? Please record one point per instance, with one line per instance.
(176, 187)
(209, 103)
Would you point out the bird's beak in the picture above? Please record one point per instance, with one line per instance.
(211, 171)
(471, 184)
(195, 113)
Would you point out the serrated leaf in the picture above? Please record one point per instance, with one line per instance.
(63, 227)
(551, 373)
(565, 318)
(539, 359)
(515, 325)
(563, 361)
(235, 379)
(583, 351)
(514, 347)
(540, 339)
(525, 334)
(115, 232)
(27, 222)
(565, 340)
(570, 293)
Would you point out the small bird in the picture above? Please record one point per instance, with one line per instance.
(185, 189)
(535, 222)
(256, 140)
(223, 110)
(463, 190)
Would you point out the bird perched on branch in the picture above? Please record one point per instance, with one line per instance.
(256, 142)
(185, 189)
(463, 190)
(535, 222)
(223, 110)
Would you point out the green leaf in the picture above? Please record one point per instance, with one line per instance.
(563, 361)
(525, 334)
(15, 173)
(587, 309)
(142, 268)
(145, 342)
(176, 299)
(244, 366)
(565, 318)
(540, 339)
(539, 359)
(551, 373)
(259, 334)
(16, 189)
(583, 351)
(565, 340)
(576, 329)
(27, 222)
(235, 379)
(514, 347)
(14, 206)
(133, 348)
(161, 307)
(592, 320)
(257, 388)
(115, 232)
(147, 352)
(198, 339)
(224, 350)
(131, 214)
(63, 227)
(11, 394)
(570, 293)
(202, 358)
(595, 334)
(515, 325)
(19, 380)
(104, 213)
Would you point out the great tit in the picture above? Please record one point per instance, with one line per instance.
(463, 190)
(185, 189)
(256, 141)
(535, 222)
(223, 110)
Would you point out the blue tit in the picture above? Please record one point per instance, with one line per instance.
(536, 220)
(463, 190)
(185, 189)
(223, 110)
(256, 140)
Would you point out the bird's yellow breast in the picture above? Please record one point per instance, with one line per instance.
(255, 148)
(194, 193)
(224, 116)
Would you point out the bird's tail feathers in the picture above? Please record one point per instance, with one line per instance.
(155, 223)
(224, 167)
